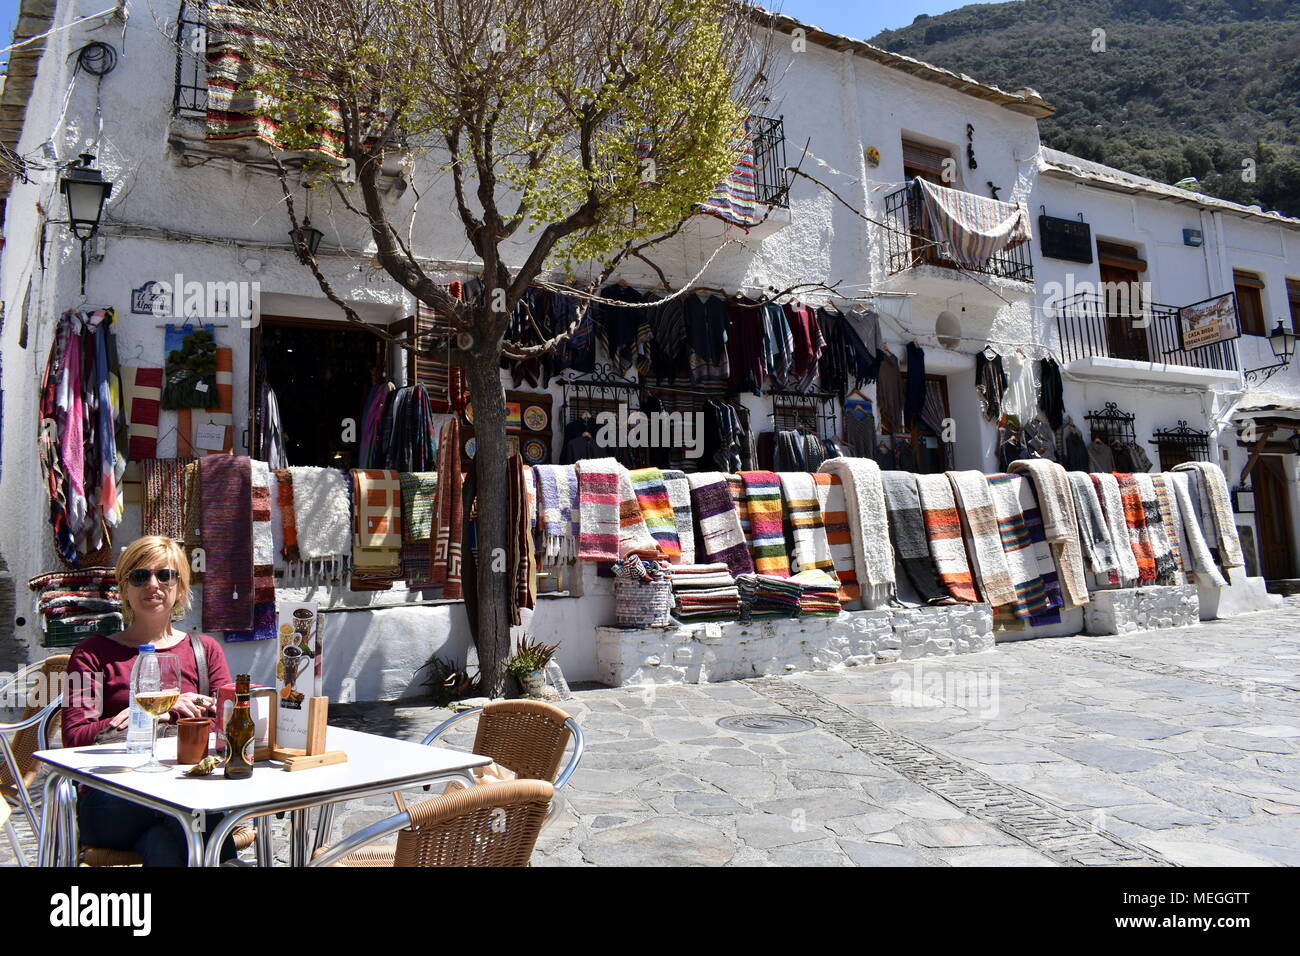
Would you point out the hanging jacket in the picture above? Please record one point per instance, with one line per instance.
(1051, 391)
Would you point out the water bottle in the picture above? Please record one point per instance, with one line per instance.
(139, 734)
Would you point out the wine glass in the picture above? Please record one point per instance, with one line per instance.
(156, 686)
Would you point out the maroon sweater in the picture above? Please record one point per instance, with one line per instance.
(113, 662)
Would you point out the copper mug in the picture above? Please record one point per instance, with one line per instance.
(192, 739)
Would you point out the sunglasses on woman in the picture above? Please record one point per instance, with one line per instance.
(140, 576)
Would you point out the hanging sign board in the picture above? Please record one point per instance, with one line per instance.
(1209, 322)
(298, 669)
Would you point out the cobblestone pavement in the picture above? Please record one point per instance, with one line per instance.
(1177, 747)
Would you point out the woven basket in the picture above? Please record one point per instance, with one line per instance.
(643, 603)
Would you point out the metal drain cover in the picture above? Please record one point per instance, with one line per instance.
(766, 723)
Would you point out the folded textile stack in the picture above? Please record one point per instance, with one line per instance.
(764, 596)
(818, 593)
(89, 596)
(704, 592)
(636, 568)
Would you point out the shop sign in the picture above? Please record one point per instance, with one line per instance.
(1209, 322)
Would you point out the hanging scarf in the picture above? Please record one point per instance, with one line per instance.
(987, 557)
(163, 509)
(598, 509)
(1060, 523)
(449, 514)
(679, 496)
(721, 535)
(835, 519)
(766, 523)
(558, 512)
(225, 485)
(943, 533)
(288, 526)
(633, 534)
(873, 555)
(523, 563)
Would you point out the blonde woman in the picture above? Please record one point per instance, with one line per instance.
(153, 576)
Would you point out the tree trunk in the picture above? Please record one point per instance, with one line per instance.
(488, 397)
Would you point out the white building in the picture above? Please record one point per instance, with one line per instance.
(212, 213)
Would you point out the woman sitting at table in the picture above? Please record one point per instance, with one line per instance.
(154, 578)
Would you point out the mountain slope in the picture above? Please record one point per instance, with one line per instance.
(1192, 88)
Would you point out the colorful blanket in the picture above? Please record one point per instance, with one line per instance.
(1169, 519)
(907, 531)
(943, 533)
(835, 519)
(766, 523)
(376, 529)
(657, 510)
(1060, 523)
(721, 536)
(812, 549)
(598, 508)
(1215, 486)
(1196, 550)
(163, 508)
(873, 554)
(142, 396)
(1135, 522)
(263, 560)
(1161, 547)
(736, 488)
(1112, 503)
(633, 535)
(972, 228)
(225, 484)
(1018, 546)
(1094, 532)
(558, 511)
(988, 560)
(1044, 554)
(448, 515)
(679, 496)
(419, 494)
(323, 518)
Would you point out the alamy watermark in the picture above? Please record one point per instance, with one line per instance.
(637, 429)
(210, 299)
(975, 691)
(38, 689)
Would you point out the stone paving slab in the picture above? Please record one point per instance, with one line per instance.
(1177, 747)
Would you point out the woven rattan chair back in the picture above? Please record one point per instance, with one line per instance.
(527, 736)
(24, 742)
(479, 826)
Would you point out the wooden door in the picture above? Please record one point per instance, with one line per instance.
(1124, 339)
(1273, 518)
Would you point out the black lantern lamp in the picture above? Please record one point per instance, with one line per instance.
(86, 191)
(311, 237)
(1282, 342)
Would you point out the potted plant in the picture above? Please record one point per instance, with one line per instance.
(529, 664)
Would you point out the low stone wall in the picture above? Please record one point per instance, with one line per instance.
(699, 653)
(1126, 610)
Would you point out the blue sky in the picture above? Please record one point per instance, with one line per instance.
(857, 18)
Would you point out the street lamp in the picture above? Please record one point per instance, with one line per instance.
(311, 237)
(1282, 342)
(86, 191)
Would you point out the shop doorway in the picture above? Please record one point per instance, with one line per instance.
(1273, 518)
(321, 372)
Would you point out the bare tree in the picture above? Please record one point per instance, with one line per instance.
(597, 127)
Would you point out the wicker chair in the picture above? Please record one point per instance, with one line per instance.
(527, 736)
(480, 826)
(31, 732)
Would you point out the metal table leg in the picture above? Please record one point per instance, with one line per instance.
(265, 849)
(299, 824)
(45, 838)
(324, 821)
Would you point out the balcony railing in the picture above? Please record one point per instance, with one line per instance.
(190, 96)
(771, 181)
(910, 242)
(1088, 328)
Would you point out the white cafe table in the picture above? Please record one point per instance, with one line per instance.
(375, 765)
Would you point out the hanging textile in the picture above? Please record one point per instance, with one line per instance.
(1072, 450)
(706, 325)
(908, 534)
(210, 432)
(1166, 569)
(1061, 524)
(733, 200)
(376, 529)
(766, 523)
(1020, 402)
(934, 415)
(419, 490)
(598, 507)
(889, 395)
(444, 382)
(1112, 503)
(522, 570)
(372, 415)
(1022, 562)
(558, 512)
(736, 487)
(812, 549)
(657, 510)
(1135, 521)
(1043, 559)
(778, 344)
(163, 506)
(988, 560)
(943, 534)
(914, 402)
(633, 535)
(745, 346)
(290, 557)
(860, 426)
(835, 519)
(679, 496)
(322, 516)
(449, 512)
(1196, 552)
(264, 617)
(721, 536)
(1168, 508)
(1094, 532)
(873, 555)
(225, 484)
(1051, 392)
(971, 229)
(990, 383)
(142, 397)
(1213, 486)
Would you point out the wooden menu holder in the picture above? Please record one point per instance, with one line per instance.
(315, 755)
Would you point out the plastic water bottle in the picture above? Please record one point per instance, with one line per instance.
(139, 734)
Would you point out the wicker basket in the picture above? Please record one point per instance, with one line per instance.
(643, 603)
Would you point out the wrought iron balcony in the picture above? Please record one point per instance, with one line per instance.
(910, 242)
(771, 181)
(1088, 327)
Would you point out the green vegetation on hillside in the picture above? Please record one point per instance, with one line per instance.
(1182, 89)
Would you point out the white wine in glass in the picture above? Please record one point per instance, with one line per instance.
(156, 686)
